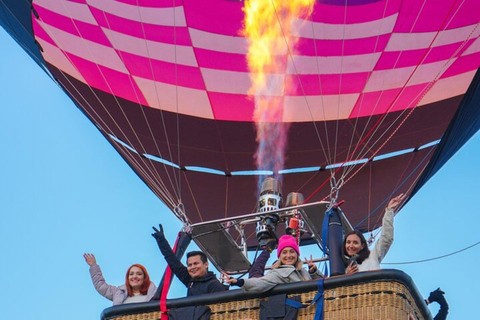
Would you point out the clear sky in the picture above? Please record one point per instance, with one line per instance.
(66, 191)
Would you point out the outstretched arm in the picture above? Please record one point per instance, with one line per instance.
(261, 284)
(173, 262)
(258, 268)
(98, 280)
(386, 239)
(438, 296)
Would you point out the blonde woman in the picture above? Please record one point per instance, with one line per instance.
(288, 268)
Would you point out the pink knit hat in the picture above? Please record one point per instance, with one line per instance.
(287, 241)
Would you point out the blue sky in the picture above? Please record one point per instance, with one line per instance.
(66, 191)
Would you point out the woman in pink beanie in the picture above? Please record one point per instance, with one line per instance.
(287, 269)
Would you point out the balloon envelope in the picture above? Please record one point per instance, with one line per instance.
(376, 88)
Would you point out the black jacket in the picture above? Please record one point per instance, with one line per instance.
(206, 284)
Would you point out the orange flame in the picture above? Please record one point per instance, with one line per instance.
(269, 26)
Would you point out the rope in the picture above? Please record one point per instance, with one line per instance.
(425, 91)
(414, 154)
(329, 156)
(369, 193)
(381, 93)
(154, 184)
(435, 258)
(411, 111)
(362, 95)
(372, 132)
(157, 95)
(340, 86)
(383, 116)
(179, 182)
(396, 190)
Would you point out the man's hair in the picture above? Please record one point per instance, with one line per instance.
(202, 255)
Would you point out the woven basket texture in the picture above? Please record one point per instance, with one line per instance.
(382, 300)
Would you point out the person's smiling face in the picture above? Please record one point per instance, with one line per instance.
(288, 256)
(136, 277)
(353, 245)
(196, 267)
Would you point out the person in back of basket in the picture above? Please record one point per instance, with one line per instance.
(436, 296)
(287, 269)
(357, 256)
(137, 287)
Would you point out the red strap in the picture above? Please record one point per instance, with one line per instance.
(163, 296)
(167, 279)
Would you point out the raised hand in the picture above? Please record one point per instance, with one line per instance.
(436, 295)
(312, 267)
(90, 259)
(393, 203)
(158, 234)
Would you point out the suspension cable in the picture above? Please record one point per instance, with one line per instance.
(435, 258)
(157, 96)
(46, 28)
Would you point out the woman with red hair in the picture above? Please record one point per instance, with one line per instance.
(137, 287)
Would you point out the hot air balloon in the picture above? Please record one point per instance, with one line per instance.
(375, 96)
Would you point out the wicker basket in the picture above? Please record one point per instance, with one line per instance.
(367, 301)
(379, 300)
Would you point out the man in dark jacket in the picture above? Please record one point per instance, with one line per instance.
(195, 276)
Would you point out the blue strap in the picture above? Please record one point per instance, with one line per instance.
(319, 299)
(295, 304)
(326, 220)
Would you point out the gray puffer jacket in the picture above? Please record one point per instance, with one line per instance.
(282, 274)
(116, 294)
